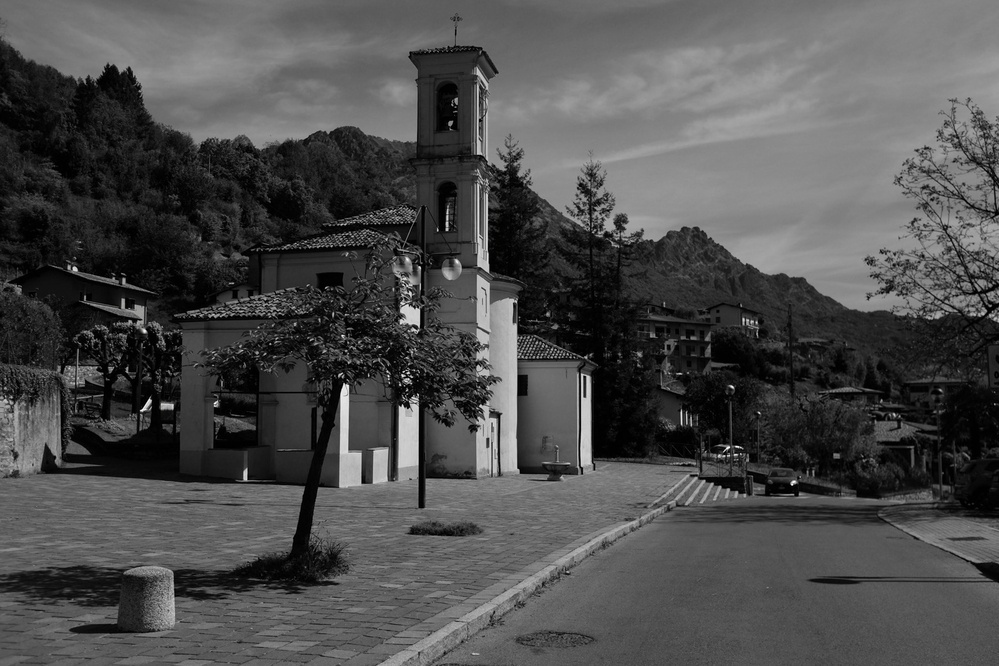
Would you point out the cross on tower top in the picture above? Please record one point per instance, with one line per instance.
(455, 20)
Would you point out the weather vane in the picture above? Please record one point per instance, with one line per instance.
(455, 19)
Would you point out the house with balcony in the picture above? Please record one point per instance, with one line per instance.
(680, 346)
(728, 314)
(98, 299)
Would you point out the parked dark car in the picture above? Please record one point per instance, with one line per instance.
(973, 481)
(782, 480)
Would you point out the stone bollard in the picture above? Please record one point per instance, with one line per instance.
(146, 602)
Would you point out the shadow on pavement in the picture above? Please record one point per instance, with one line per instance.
(856, 580)
(782, 510)
(101, 586)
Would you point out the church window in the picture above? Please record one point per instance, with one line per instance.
(447, 108)
(447, 197)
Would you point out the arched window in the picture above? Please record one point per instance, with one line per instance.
(447, 200)
(447, 108)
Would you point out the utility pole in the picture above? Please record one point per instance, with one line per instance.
(790, 351)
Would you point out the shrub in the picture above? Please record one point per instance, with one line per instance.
(437, 528)
(325, 559)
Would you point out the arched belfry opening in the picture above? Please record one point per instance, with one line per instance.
(447, 207)
(447, 108)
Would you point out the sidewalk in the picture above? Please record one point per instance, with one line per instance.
(968, 534)
(65, 539)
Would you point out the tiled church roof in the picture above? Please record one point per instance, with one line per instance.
(262, 306)
(394, 216)
(339, 240)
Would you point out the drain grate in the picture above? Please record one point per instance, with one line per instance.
(561, 639)
(966, 538)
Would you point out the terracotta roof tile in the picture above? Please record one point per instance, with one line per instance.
(262, 306)
(393, 216)
(534, 348)
(338, 240)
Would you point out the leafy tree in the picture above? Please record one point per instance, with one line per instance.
(947, 273)
(111, 349)
(706, 397)
(162, 352)
(30, 332)
(811, 430)
(348, 337)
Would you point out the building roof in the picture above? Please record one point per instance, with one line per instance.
(739, 306)
(534, 348)
(456, 49)
(393, 216)
(112, 310)
(271, 305)
(80, 275)
(338, 240)
(850, 390)
(887, 432)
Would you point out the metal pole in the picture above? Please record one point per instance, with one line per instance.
(731, 447)
(421, 453)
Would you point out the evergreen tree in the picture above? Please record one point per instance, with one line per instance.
(518, 246)
(591, 207)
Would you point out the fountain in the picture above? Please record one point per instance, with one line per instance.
(555, 468)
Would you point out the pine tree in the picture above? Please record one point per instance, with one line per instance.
(518, 246)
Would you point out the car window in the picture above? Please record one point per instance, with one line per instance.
(781, 472)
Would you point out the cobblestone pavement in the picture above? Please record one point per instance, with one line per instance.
(66, 538)
(970, 534)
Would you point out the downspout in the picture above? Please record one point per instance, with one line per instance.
(579, 417)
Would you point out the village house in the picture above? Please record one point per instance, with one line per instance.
(727, 314)
(99, 299)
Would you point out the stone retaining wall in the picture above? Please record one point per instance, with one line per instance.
(30, 435)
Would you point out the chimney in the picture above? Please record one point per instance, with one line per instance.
(121, 278)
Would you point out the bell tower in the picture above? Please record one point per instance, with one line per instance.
(452, 148)
(452, 182)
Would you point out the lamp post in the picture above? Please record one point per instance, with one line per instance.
(758, 415)
(140, 339)
(937, 393)
(729, 392)
(451, 270)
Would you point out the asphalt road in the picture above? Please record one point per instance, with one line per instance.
(763, 580)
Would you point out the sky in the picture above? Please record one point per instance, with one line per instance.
(775, 126)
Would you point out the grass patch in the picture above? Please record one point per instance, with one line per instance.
(325, 559)
(437, 528)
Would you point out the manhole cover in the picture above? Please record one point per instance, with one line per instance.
(554, 639)
(966, 538)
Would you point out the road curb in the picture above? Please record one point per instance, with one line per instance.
(885, 515)
(431, 648)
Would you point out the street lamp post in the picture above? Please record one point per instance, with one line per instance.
(729, 392)
(451, 270)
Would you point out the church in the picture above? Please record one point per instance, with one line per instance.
(375, 440)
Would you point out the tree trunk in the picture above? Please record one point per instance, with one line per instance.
(106, 399)
(300, 543)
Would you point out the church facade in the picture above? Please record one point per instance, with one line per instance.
(376, 440)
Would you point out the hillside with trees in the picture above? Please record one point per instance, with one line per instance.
(87, 173)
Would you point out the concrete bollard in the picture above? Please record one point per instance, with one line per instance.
(146, 602)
